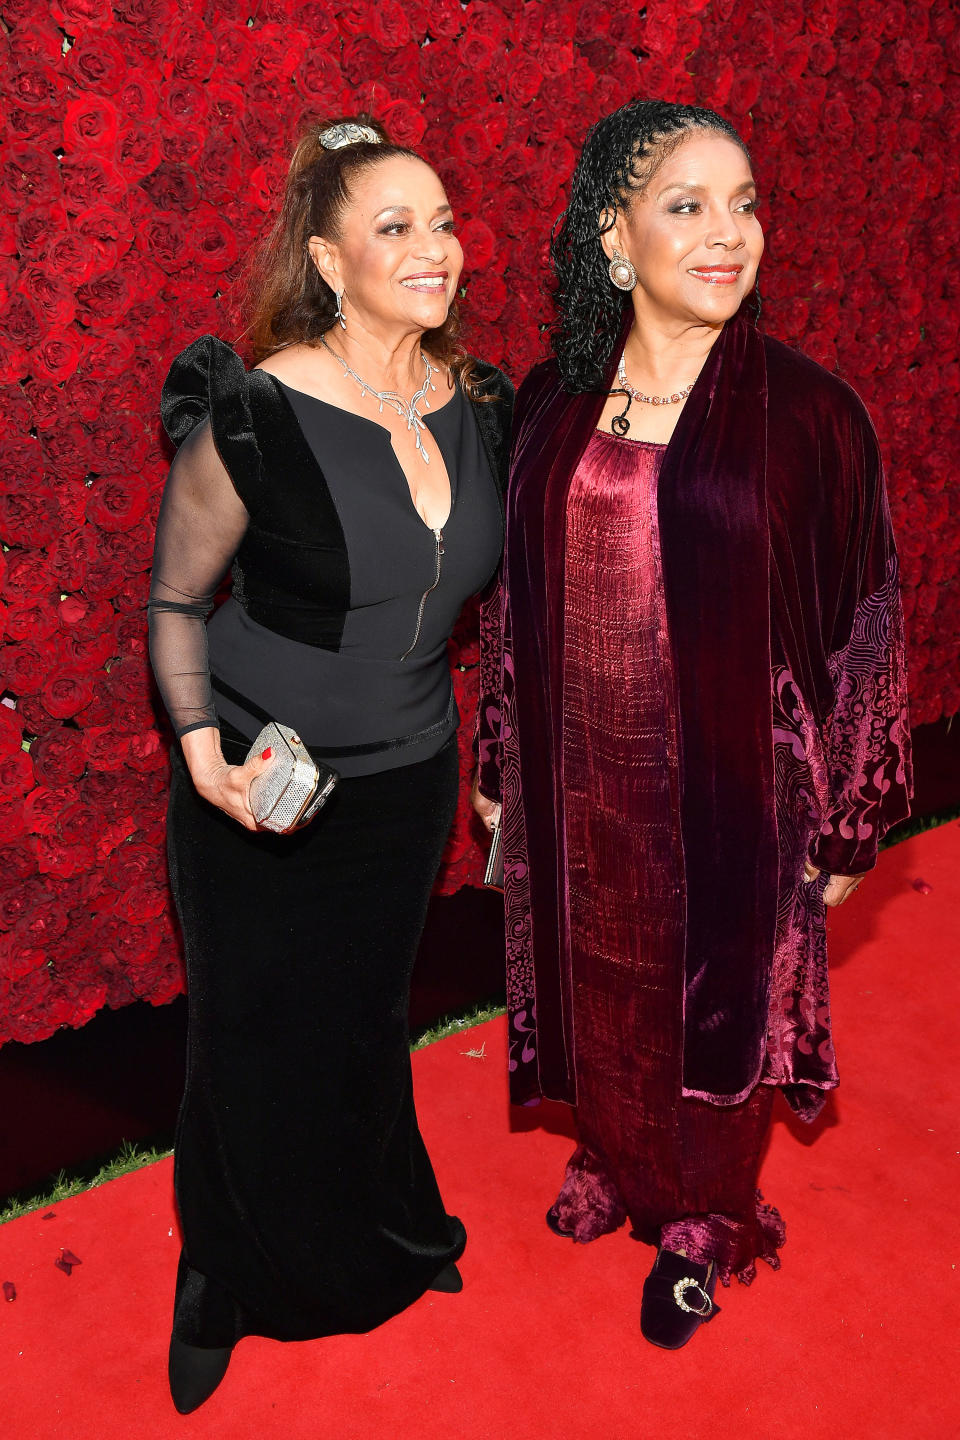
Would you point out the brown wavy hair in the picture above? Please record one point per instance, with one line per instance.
(288, 300)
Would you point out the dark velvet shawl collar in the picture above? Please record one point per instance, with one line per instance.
(715, 546)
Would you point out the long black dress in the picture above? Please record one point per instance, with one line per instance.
(307, 1199)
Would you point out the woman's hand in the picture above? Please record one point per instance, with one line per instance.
(226, 786)
(839, 887)
(488, 810)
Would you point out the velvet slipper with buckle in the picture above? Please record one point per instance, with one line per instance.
(677, 1299)
(553, 1221)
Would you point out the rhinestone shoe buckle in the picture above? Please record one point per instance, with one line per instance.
(680, 1291)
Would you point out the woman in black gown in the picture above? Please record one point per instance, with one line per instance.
(357, 521)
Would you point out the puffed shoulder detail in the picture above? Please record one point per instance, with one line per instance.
(493, 381)
(208, 378)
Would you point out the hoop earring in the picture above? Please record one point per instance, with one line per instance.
(621, 272)
(340, 320)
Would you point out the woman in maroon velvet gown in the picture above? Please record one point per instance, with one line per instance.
(693, 707)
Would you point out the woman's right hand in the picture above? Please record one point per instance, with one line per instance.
(224, 785)
(488, 810)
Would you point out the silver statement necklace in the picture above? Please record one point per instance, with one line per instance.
(408, 412)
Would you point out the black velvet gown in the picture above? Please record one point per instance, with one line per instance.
(307, 1199)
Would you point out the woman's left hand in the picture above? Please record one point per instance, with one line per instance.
(839, 887)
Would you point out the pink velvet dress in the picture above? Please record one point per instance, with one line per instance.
(684, 1171)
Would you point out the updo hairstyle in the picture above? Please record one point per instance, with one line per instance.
(288, 299)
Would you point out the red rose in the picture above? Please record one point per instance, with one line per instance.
(468, 93)
(91, 123)
(57, 356)
(16, 775)
(192, 50)
(523, 78)
(24, 668)
(278, 47)
(66, 693)
(44, 806)
(59, 756)
(96, 62)
(478, 49)
(108, 229)
(20, 956)
(147, 752)
(35, 87)
(485, 341)
(34, 227)
(404, 123)
(76, 15)
(107, 356)
(11, 730)
(479, 244)
(89, 180)
(22, 323)
(213, 239)
(138, 96)
(56, 858)
(72, 256)
(29, 517)
(486, 296)
(319, 78)
(28, 176)
(440, 64)
(32, 42)
(153, 17)
(221, 167)
(172, 187)
(138, 150)
(52, 298)
(164, 238)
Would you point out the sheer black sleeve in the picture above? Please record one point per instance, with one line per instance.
(202, 522)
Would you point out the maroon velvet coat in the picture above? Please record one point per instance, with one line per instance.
(787, 641)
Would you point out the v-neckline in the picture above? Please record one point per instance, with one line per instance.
(366, 420)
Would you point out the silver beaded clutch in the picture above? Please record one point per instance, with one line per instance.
(289, 792)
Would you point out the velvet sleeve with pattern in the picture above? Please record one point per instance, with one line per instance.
(867, 734)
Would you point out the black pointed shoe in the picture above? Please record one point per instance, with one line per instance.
(677, 1299)
(449, 1281)
(194, 1373)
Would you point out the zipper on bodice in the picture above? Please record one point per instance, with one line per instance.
(438, 537)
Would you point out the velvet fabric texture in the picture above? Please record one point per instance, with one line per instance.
(782, 602)
(645, 1150)
(308, 1203)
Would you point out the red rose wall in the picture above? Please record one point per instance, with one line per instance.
(144, 145)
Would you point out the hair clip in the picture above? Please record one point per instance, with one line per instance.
(348, 134)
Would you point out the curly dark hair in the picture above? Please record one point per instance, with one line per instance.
(620, 156)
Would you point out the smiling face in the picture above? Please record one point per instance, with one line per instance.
(395, 256)
(692, 234)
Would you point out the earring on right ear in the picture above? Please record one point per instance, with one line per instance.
(621, 271)
(340, 320)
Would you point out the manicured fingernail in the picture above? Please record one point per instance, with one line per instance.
(267, 753)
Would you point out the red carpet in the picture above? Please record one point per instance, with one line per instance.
(855, 1337)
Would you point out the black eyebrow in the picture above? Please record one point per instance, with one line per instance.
(679, 185)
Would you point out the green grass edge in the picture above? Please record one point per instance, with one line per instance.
(131, 1156)
(134, 1157)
